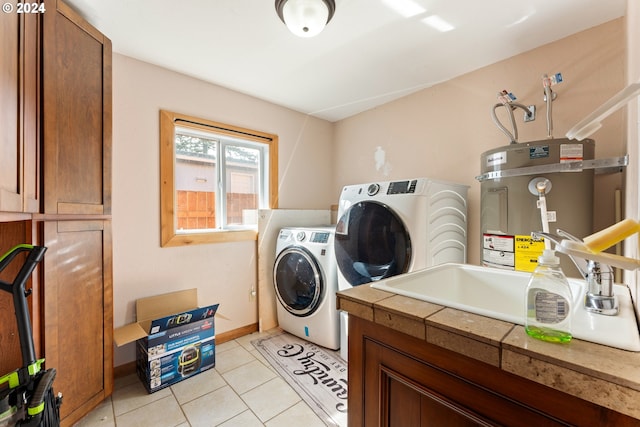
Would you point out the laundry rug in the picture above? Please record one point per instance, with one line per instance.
(318, 375)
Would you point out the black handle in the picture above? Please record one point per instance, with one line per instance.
(17, 289)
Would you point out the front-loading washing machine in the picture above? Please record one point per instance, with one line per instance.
(395, 227)
(305, 279)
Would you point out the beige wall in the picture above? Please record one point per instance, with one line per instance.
(440, 132)
(223, 273)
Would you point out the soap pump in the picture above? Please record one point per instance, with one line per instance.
(548, 301)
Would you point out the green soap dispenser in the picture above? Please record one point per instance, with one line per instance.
(548, 301)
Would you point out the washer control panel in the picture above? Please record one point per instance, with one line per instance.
(318, 237)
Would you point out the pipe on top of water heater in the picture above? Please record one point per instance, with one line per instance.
(507, 100)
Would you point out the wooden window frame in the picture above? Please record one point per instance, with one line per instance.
(168, 122)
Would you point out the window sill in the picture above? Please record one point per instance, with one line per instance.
(213, 237)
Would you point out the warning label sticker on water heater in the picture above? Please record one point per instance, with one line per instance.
(571, 153)
(511, 252)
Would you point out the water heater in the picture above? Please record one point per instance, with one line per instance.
(510, 199)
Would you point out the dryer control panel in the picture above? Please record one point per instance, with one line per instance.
(402, 187)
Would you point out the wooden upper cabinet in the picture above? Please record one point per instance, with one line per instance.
(19, 114)
(77, 114)
(10, 153)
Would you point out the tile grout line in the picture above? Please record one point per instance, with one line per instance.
(186, 418)
(255, 356)
(240, 395)
(249, 408)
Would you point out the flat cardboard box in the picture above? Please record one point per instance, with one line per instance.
(175, 339)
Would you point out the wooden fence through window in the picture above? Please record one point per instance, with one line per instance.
(197, 209)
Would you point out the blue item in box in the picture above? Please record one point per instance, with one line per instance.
(177, 347)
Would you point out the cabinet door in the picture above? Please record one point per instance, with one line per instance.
(405, 404)
(19, 183)
(399, 380)
(10, 152)
(402, 391)
(78, 312)
(77, 114)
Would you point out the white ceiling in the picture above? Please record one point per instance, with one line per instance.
(367, 55)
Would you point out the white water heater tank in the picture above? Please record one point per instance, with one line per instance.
(509, 199)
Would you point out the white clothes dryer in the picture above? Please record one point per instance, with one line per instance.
(305, 279)
(395, 227)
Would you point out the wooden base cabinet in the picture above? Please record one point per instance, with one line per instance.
(399, 381)
(71, 308)
(78, 312)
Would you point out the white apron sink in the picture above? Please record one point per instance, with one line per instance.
(500, 294)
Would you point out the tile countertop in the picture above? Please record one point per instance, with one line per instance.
(603, 375)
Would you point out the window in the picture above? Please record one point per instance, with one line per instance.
(214, 178)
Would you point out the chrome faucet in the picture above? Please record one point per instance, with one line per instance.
(599, 297)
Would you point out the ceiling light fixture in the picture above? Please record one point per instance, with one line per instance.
(305, 18)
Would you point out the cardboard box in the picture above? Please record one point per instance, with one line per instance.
(175, 339)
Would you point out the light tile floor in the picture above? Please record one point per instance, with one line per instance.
(242, 390)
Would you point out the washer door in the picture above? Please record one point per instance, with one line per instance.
(371, 243)
(298, 281)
